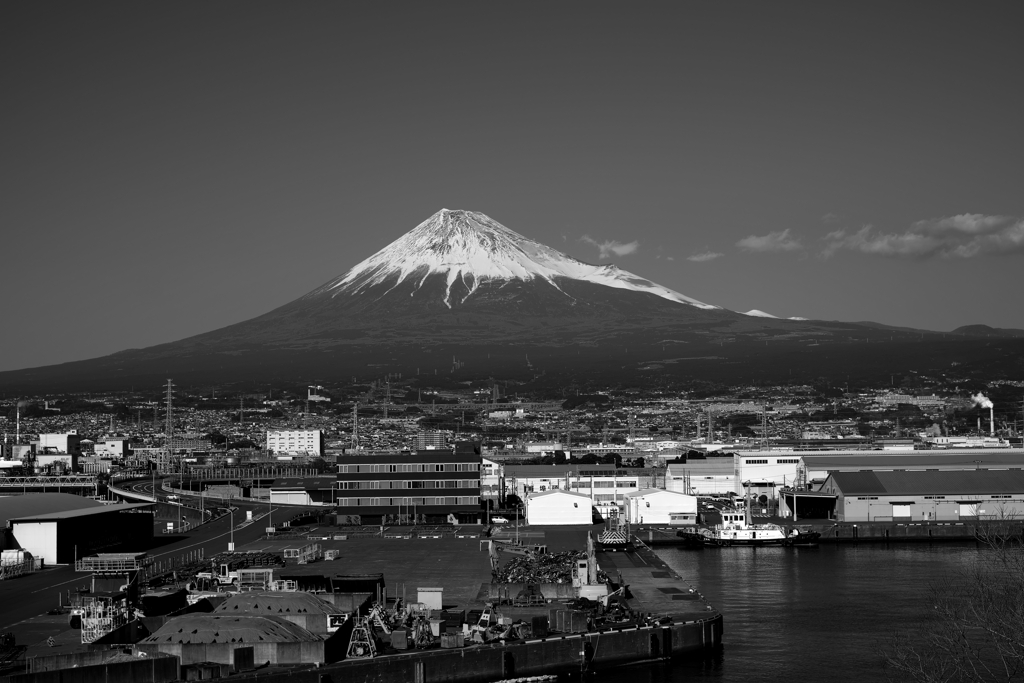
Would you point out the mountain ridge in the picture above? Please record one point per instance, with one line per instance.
(462, 285)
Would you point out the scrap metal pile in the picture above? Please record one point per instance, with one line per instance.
(553, 568)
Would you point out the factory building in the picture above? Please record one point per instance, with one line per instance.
(921, 496)
(817, 468)
(713, 476)
(69, 442)
(61, 527)
(118, 447)
(657, 506)
(427, 486)
(558, 507)
(767, 472)
(605, 485)
(296, 442)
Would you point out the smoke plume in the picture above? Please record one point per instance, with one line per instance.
(982, 401)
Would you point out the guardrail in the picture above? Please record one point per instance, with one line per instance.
(125, 493)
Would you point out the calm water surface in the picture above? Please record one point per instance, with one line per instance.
(820, 614)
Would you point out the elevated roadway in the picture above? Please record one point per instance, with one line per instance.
(32, 595)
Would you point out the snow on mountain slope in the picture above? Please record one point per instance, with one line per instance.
(471, 247)
(754, 313)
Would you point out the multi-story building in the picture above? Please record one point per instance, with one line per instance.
(606, 485)
(112, 447)
(711, 476)
(426, 486)
(296, 442)
(431, 440)
(188, 443)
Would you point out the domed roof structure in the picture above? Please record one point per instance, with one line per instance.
(216, 628)
(278, 603)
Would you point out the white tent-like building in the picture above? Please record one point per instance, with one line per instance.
(558, 507)
(658, 506)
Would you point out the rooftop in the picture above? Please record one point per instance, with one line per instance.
(260, 602)
(965, 482)
(217, 628)
(70, 514)
(32, 504)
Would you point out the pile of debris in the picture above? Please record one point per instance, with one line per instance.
(553, 568)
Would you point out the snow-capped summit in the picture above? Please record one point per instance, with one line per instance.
(468, 249)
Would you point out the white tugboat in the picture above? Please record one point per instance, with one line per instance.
(737, 529)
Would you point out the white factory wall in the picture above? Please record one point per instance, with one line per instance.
(290, 498)
(655, 506)
(39, 538)
(759, 467)
(558, 508)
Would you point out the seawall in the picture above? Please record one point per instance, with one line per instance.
(545, 656)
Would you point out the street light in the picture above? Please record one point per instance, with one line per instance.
(231, 543)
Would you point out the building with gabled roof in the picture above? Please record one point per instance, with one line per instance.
(929, 495)
(558, 507)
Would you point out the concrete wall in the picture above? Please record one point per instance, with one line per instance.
(153, 669)
(224, 653)
(558, 509)
(560, 654)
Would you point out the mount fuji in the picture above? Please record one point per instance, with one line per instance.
(460, 290)
(468, 250)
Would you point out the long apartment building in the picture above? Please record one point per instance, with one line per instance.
(425, 486)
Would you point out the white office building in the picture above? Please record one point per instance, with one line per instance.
(296, 442)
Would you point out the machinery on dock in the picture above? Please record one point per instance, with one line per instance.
(362, 644)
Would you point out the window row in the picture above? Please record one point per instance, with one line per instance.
(410, 467)
(584, 484)
(410, 484)
(408, 502)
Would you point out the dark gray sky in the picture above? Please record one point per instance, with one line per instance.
(170, 168)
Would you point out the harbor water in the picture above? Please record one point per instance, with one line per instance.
(806, 614)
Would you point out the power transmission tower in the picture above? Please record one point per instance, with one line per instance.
(169, 429)
(355, 426)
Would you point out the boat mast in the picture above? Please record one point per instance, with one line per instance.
(746, 508)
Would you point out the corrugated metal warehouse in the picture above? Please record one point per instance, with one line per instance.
(902, 496)
(62, 534)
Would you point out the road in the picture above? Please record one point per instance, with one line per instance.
(34, 594)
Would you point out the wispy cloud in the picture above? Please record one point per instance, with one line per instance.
(705, 256)
(610, 248)
(962, 236)
(773, 241)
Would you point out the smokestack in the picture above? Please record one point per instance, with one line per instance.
(991, 420)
